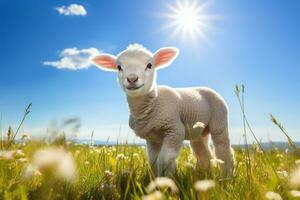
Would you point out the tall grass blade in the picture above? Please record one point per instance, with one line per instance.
(27, 111)
(241, 101)
(92, 139)
(280, 126)
(252, 132)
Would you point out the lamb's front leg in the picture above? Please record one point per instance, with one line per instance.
(153, 149)
(170, 149)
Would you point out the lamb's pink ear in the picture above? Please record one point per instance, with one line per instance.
(106, 62)
(165, 56)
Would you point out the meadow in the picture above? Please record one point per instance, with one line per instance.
(122, 172)
(61, 169)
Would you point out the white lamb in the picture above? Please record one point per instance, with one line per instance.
(165, 116)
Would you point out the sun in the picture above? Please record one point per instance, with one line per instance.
(188, 19)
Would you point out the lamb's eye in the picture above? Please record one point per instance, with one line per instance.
(119, 67)
(149, 66)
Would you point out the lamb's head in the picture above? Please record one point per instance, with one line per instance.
(136, 67)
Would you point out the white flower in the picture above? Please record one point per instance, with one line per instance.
(162, 182)
(121, 156)
(204, 185)
(260, 151)
(97, 150)
(273, 196)
(295, 177)
(37, 173)
(113, 148)
(189, 165)
(108, 173)
(22, 160)
(31, 171)
(7, 155)
(286, 151)
(86, 162)
(135, 155)
(12, 154)
(295, 193)
(279, 155)
(156, 195)
(19, 153)
(282, 174)
(55, 161)
(199, 125)
(25, 136)
(215, 162)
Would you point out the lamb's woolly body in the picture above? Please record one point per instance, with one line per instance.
(163, 106)
(165, 116)
(171, 113)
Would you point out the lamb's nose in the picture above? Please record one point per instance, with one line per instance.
(132, 78)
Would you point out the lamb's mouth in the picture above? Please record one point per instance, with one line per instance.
(134, 87)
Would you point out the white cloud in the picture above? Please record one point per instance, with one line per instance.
(73, 58)
(73, 9)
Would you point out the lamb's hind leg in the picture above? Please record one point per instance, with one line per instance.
(223, 149)
(202, 150)
(218, 126)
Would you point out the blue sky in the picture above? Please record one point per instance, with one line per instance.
(252, 42)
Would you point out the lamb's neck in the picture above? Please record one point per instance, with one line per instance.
(142, 106)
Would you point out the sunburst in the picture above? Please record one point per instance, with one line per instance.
(188, 19)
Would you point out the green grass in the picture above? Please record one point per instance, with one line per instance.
(131, 175)
(122, 171)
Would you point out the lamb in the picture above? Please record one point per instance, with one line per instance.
(165, 116)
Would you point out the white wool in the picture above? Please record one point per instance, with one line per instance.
(137, 47)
